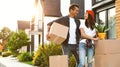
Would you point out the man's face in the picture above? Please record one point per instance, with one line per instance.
(75, 11)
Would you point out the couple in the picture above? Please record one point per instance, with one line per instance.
(78, 35)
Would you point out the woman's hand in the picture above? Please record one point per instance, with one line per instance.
(96, 38)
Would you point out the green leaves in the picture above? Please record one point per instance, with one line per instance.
(101, 28)
(25, 56)
(18, 40)
(5, 33)
(41, 57)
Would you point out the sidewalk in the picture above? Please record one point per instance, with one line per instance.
(12, 62)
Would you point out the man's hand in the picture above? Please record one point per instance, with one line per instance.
(47, 36)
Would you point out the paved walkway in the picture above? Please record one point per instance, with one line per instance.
(12, 62)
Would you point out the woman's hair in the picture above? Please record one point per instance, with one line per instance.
(90, 22)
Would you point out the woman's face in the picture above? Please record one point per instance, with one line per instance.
(86, 15)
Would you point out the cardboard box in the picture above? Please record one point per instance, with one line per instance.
(58, 33)
(107, 53)
(107, 47)
(109, 60)
(58, 61)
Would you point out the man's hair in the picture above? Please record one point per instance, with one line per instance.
(72, 6)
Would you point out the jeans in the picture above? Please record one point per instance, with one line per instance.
(73, 48)
(83, 52)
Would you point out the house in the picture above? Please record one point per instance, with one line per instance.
(25, 26)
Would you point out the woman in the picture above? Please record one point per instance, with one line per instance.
(86, 47)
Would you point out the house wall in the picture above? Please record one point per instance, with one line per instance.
(117, 4)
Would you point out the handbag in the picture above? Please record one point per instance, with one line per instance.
(88, 43)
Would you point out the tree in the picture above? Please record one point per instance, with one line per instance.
(17, 40)
(5, 33)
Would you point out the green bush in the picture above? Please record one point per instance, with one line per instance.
(72, 61)
(17, 41)
(26, 56)
(41, 57)
(7, 53)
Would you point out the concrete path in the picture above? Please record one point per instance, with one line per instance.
(12, 62)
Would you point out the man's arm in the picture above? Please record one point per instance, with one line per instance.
(48, 28)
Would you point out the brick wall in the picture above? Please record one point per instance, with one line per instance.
(117, 4)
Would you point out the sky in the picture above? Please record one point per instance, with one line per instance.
(13, 10)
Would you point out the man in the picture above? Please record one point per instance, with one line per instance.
(72, 41)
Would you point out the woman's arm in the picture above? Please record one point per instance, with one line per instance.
(86, 36)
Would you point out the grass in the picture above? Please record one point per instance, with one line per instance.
(28, 62)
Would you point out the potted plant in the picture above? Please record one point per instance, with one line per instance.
(101, 30)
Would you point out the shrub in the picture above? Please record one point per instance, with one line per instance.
(41, 57)
(7, 53)
(17, 41)
(37, 58)
(72, 61)
(26, 56)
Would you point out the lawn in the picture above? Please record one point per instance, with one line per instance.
(28, 62)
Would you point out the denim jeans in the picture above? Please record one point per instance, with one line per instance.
(73, 48)
(83, 52)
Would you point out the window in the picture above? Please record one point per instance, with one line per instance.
(98, 3)
(105, 13)
(52, 8)
(107, 17)
(111, 22)
(102, 18)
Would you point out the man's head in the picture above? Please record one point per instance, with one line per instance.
(74, 10)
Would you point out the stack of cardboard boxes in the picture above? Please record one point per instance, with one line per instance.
(107, 53)
(58, 34)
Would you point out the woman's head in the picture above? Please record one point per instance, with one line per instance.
(89, 17)
(89, 14)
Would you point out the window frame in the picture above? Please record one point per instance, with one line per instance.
(101, 3)
(106, 16)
